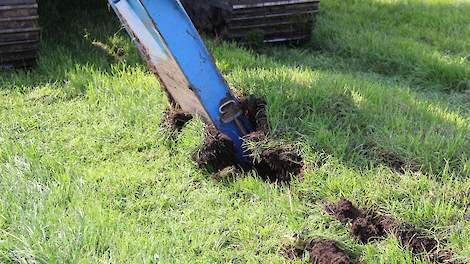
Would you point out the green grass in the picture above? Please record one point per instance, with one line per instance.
(88, 176)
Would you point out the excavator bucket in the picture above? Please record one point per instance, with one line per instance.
(175, 52)
(267, 21)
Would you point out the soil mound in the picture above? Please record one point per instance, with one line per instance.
(217, 152)
(327, 252)
(344, 211)
(369, 225)
(321, 251)
(417, 241)
(365, 226)
(279, 164)
(273, 164)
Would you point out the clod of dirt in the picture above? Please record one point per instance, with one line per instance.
(217, 152)
(256, 136)
(417, 241)
(367, 226)
(278, 164)
(176, 119)
(255, 109)
(422, 244)
(344, 211)
(274, 164)
(321, 251)
(445, 256)
(327, 252)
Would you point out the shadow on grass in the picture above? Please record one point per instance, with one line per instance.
(357, 117)
(78, 39)
(426, 43)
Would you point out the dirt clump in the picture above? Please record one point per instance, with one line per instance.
(416, 241)
(321, 251)
(176, 119)
(276, 164)
(256, 136)
(369, 225)
(327, 252)
(344, 211)
(217, 151)
(421, 243)
(394, 162)
(366, 226)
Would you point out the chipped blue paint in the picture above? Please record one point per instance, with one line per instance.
(166, 37)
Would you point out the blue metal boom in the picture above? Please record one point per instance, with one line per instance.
(175, 52)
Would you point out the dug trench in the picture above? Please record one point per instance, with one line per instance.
(369, 225)
(217, 154)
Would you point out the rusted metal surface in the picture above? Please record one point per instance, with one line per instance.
(19, 33)
(247, 20)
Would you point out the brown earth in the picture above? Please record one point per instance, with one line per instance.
(321, 251)
(217, 152)
(390, 159)
(278, 164)
(369, 225)
(273, 164)
(327, 252)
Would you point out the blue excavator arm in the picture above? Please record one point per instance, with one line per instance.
(175, 52)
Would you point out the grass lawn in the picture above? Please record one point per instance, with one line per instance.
(87, 174)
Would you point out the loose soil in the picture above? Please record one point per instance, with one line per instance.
(279, 164)
(273, 164)
(217, 152)
(364, 226)
(176, 119)
(327, 252)
(369, 225)
(321, 251)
